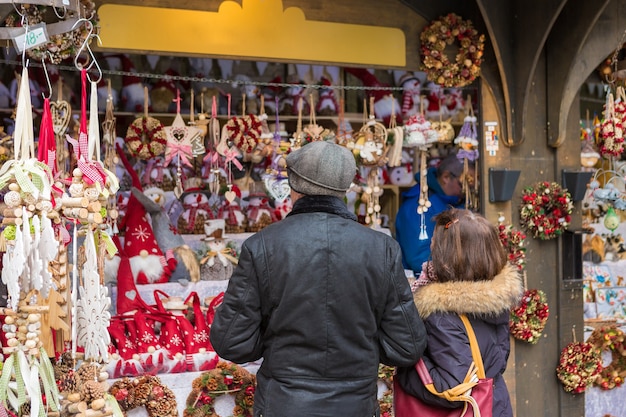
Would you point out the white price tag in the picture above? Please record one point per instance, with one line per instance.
(35, 36)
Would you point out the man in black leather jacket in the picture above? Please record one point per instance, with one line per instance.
(321, 298)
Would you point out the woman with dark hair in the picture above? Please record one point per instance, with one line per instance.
(468, 274)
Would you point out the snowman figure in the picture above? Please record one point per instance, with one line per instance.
(218, 262)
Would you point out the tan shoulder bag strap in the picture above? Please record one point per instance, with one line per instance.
(476, 356)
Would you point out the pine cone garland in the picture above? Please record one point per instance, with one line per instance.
(124, 392)
(142, 394)
(146, 391)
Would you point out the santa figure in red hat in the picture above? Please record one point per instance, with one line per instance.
(163, 93)
(132, 94)
(147, 262)
(327, 104)
(384, 101)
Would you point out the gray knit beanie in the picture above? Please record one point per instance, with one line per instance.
(321, 168)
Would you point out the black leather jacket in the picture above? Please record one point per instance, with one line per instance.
(322, 299)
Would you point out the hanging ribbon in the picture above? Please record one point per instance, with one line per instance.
(93, 171)
(94, 125)
(23, 142)
(46, 151)
(182, 151)
(231, 156)
(32, 176)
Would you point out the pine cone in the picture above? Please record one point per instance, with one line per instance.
(142, 394)
(63, 365)
(88, 372)
(69, 382)
(91, 390)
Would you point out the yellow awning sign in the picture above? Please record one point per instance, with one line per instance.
(256, 29)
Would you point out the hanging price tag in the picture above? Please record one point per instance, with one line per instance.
(35, 36)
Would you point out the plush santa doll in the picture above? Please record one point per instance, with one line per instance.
(147, 261)
(327, 104)
(384, 101)
(163, 93)
(132, 94)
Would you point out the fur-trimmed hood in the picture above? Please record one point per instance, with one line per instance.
(477, 297)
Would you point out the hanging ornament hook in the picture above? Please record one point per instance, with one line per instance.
(45, 72)
(85, 43)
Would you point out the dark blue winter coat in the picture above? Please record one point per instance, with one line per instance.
(415, 251)
(448, 355)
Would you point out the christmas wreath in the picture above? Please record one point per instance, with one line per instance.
(62, 46)
(244, 132)
(610, 338)
(146, 138)
(545, 210)
(529, 318)
(145, 391)
(579, 365)
(443, 32)
(226, 378)
(513, 241)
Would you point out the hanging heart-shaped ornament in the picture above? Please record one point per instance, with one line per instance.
(277, 187)
(61, 112)
(230, 196)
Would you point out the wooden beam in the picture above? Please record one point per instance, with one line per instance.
(577, 45)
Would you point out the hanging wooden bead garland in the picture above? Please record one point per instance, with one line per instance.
(30, 246)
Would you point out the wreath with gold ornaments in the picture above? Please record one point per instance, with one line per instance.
(546, 210)
(466, 65)
(226, 378)
(609, 338)
(146, 138)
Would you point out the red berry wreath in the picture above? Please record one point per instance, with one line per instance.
(146, 138)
